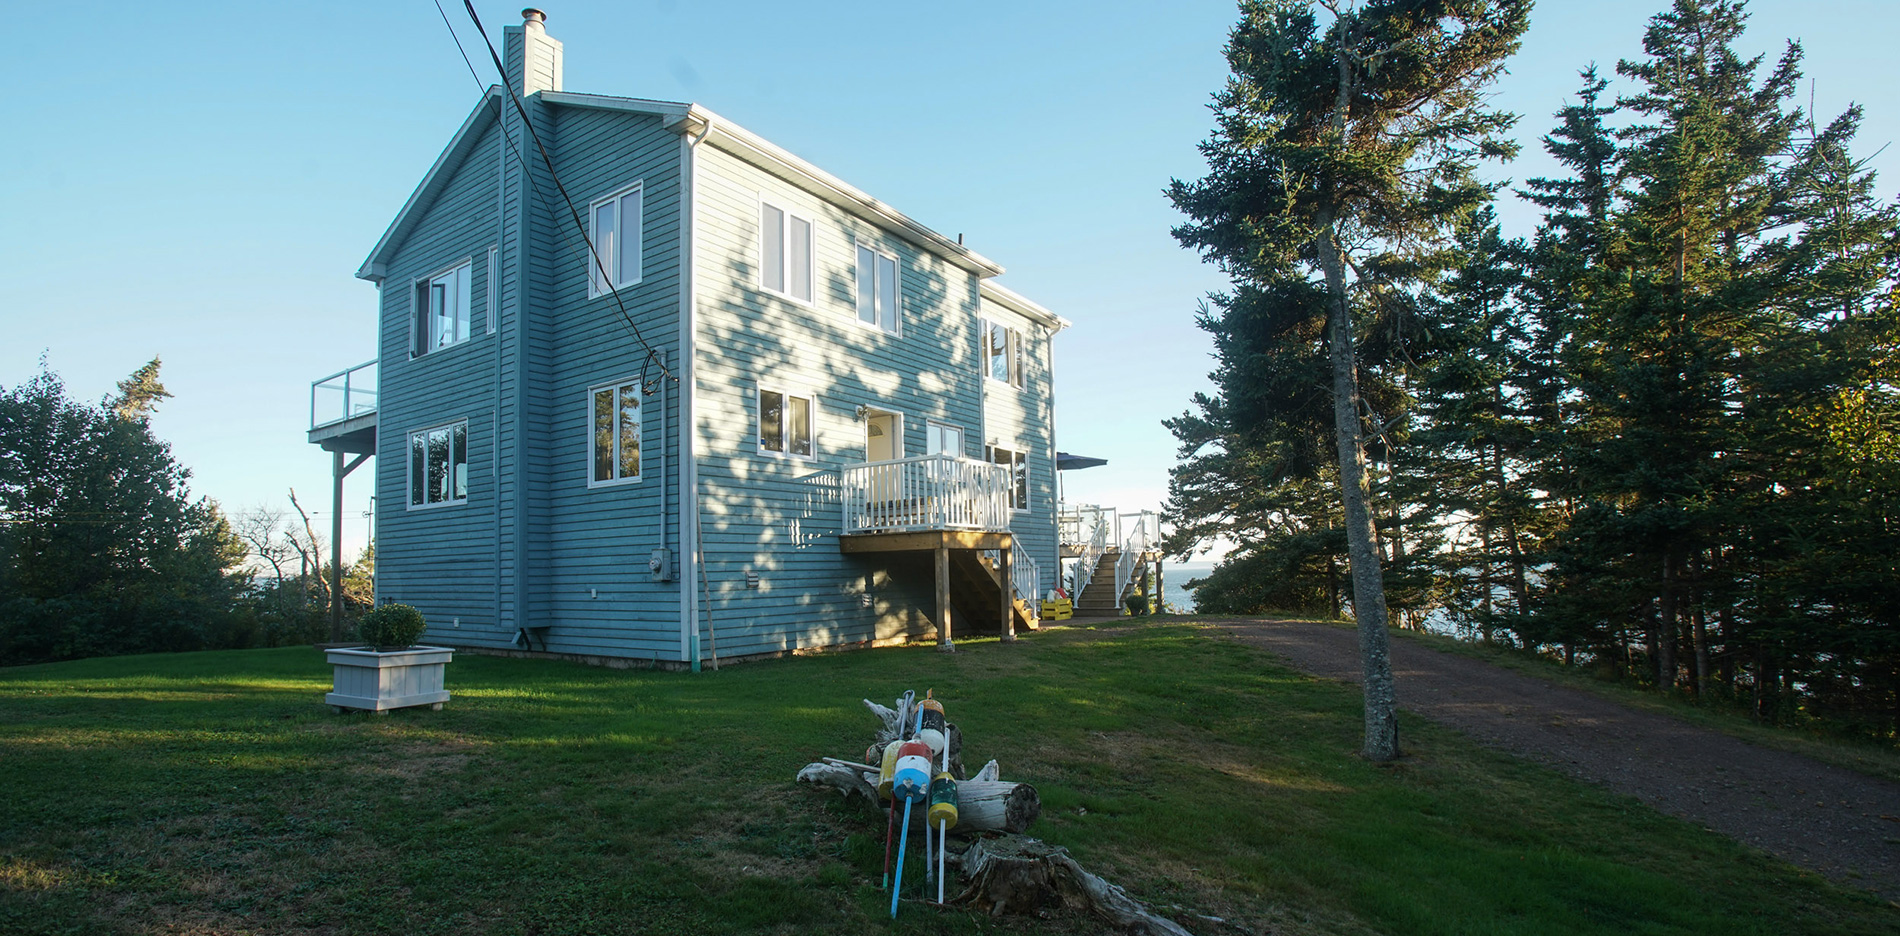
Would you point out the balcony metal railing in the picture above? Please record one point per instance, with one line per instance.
(925, 492)
(343, 395)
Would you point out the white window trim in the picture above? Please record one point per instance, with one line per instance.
(896, 261)
(962, 434)
(1018, 339)
(755, 422)
(1016, 450)
(594, 283)
(418, 322)
(409, 465)
(785, 248)
(589, 416)
(493, 313)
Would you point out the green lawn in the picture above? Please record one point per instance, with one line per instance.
(216, 793)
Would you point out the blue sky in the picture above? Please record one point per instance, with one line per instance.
(200, 181)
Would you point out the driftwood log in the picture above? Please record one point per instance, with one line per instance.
(1017, 874)
(982, 805)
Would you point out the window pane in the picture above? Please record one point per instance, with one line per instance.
(458, 460)
(419, 324)
(464, 290)
(603, 248)
(952, 440)
(801, 258)
(800, 425)
(999, 352)
(418, 463)
(772, 248)
(603, 435)
(1015, 358)
(1020, 500)
(887, 293)
(771, 421)
(627, 262)
(630, 431)
(438, 465)
(440, 328)
(867, 286)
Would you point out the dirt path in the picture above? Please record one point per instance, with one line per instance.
(1843, 824)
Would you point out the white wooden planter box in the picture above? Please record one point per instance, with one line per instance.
(380, 681)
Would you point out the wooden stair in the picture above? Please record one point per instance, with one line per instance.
(1099, 598)
(975, 593)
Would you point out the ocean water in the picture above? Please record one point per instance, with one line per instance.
(1177, 575)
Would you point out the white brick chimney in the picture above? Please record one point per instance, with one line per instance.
(533, 57)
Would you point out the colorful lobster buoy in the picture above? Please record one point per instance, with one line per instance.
(943, 815)
(930, 728)
(911, 779)
(887, 770)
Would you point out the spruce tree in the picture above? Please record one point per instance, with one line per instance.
(1340, 157)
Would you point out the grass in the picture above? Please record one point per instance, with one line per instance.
(214, 793)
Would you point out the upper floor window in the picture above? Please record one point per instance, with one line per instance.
(616, 431)
(438, 465)
(1003, 353)
(877, 289)
(1018, 464)
(615, 260)
(441, 310)
(785, 253)
(785, 423)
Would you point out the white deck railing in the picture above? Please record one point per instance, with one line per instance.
(343, 395)
(925, 492)
(1143, 535)
(1094, 527)
(1025, 577)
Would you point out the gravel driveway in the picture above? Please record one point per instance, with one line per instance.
(1843, 824)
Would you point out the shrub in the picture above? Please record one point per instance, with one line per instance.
(391, 627)
(1137, 604)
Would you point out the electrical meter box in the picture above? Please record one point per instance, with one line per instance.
(661, 564)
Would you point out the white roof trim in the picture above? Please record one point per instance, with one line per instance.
(376, 266)
(1015, 302)
(749, 146)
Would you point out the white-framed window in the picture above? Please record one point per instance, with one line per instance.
(1018, 464)
(1003, 353)
(943, 439)
(785, 422)
(441, 310)
(438, 465)
(614, 425)
(877, 289)
(785, 254)
(615, 229)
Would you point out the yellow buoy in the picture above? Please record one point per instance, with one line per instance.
(943, 802)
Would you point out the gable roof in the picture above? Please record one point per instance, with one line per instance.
(749, 146)
(1016, 302)
(709, 127)
(485, 113)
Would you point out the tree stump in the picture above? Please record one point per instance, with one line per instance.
(1017, 874)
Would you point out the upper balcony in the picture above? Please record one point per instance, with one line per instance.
(343, 410)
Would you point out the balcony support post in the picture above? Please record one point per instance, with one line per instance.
(338, 471)
(1006, 587)
(943, 598)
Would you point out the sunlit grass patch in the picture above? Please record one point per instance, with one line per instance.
(554, 798)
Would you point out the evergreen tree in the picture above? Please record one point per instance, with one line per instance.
(1339, 157)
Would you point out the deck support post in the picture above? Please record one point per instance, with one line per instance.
(943, 598)
(1007, 587)
(338, 471)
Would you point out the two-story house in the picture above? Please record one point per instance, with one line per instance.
(671, 390)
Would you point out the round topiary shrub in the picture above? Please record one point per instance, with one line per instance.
(390, 627)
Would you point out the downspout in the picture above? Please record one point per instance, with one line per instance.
(688, 564)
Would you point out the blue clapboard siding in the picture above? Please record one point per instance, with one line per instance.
(779, 516)
(1024, 420)
(591, 545)
(437, 557)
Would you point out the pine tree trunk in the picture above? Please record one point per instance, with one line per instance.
(1666, 630)
(1368, 585)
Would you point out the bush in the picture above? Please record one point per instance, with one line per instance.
(1137, 604)
(391, 627)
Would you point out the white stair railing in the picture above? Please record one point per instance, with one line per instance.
(1091, 556)
(1026, 580)
(1143, 535)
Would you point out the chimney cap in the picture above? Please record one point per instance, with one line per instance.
(532, 15)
